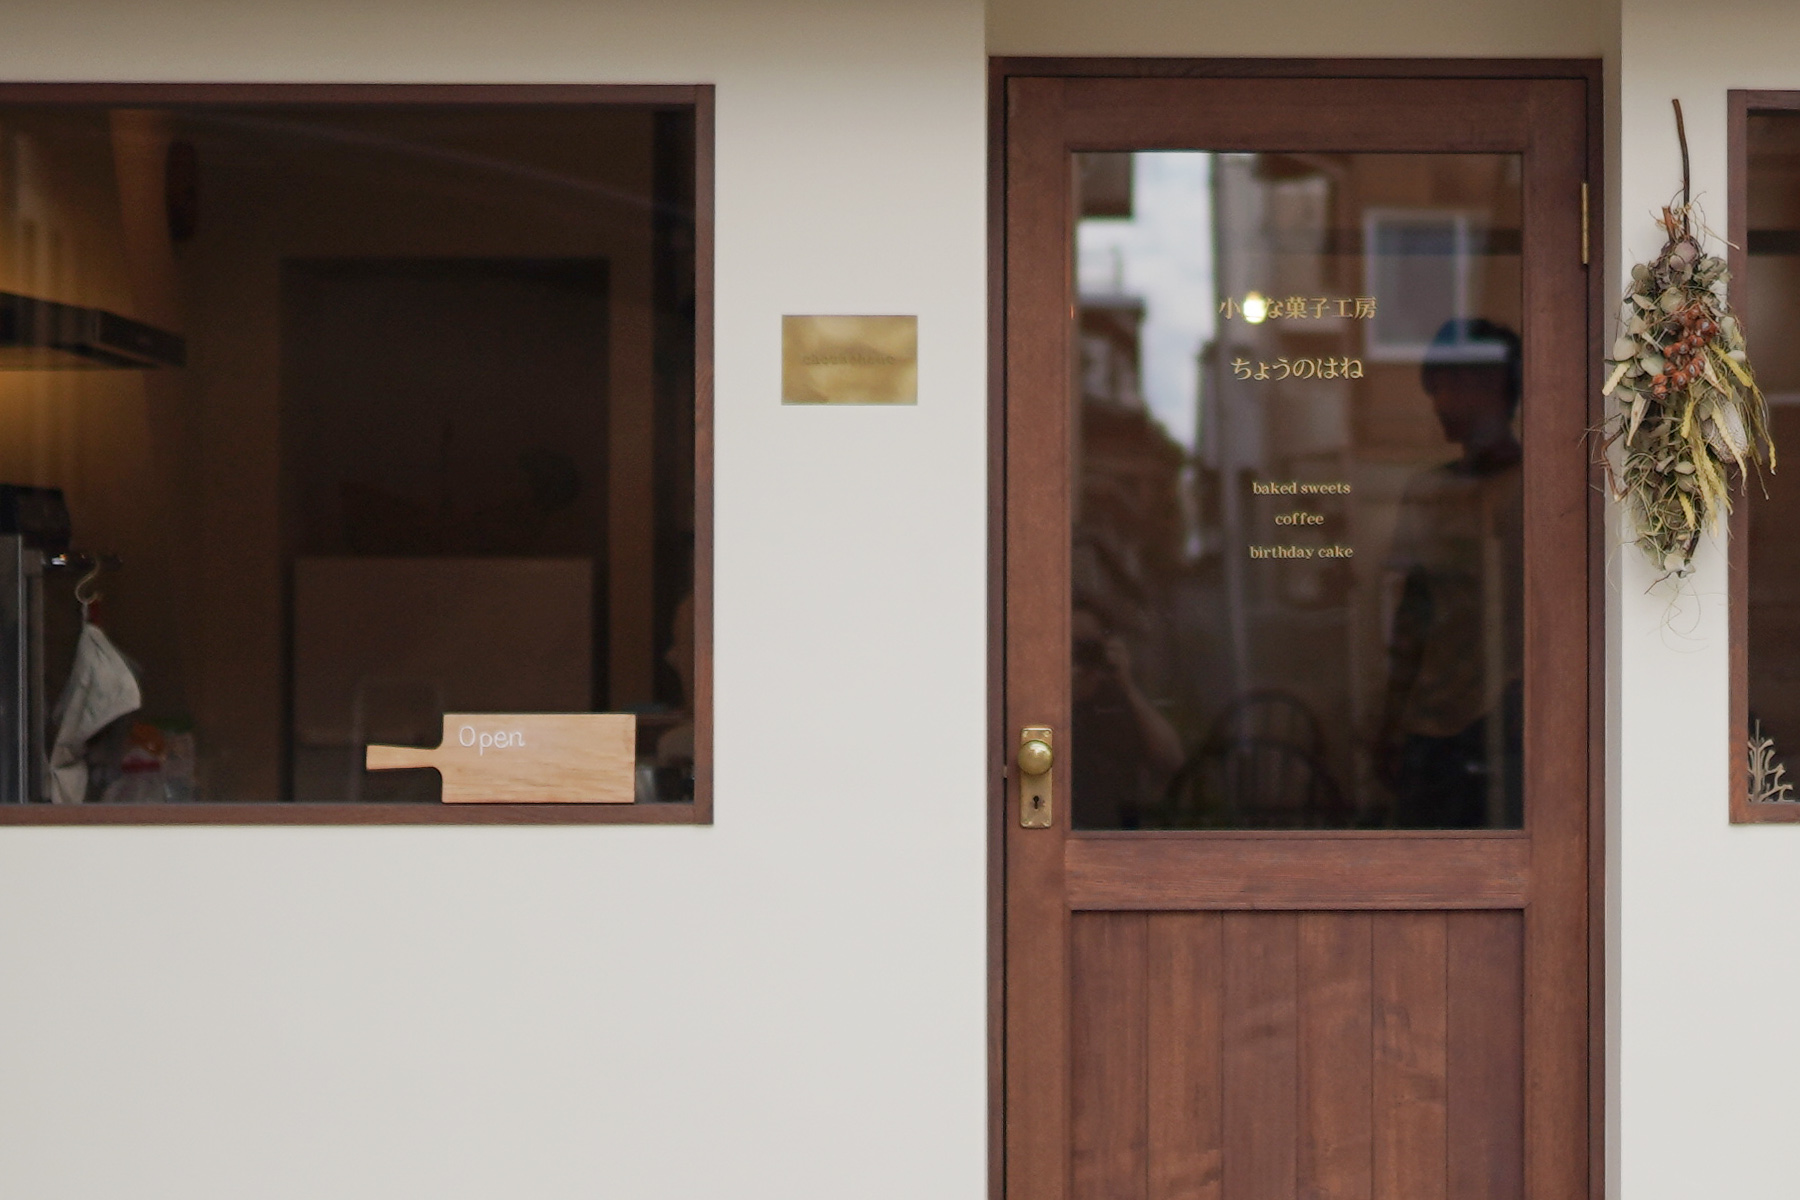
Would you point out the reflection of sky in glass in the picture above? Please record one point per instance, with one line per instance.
(1162, 255)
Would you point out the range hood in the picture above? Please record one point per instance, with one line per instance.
(38, 335)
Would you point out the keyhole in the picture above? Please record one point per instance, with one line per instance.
(1037, 802)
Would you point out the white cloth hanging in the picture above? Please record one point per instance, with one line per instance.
(101, 689)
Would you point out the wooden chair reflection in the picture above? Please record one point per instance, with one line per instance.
(1269, 714)
(1261, 766)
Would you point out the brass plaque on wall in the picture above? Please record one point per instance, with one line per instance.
(849, 360)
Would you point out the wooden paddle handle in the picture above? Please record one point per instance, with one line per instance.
(399, 758)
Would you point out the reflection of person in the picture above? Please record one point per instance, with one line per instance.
(1124, 749)
(1450, 729)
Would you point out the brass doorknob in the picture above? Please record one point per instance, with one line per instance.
(1035, 757)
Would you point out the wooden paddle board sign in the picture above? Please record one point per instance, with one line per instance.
(527, 758)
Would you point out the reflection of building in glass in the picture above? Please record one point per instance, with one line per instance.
(1129, 568)
(1426, 239)
(1252, 584)
(1129, 532)
(1130, 529)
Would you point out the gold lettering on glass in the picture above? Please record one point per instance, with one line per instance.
(1255, 308)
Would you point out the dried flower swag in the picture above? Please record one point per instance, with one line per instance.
(1688, 409)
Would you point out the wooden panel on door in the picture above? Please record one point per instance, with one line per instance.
(1485, 1031)
(1186, 998)
(1109, 1138)
(1260, 1033)
(1409, 1041)
(1321, 1055)
(1337, 1007)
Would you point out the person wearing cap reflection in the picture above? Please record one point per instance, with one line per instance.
(1450, 733)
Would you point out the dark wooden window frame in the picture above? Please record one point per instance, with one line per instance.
(999, 71)
(700, 98)
(1739, 105)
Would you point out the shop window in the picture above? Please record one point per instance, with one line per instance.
(1765, 543)
(353, 455)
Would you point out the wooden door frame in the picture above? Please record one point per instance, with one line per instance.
(1000, 70)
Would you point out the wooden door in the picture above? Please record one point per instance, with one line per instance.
(1310, 919)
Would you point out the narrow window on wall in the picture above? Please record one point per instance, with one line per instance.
(1766, 195)
(348, 458)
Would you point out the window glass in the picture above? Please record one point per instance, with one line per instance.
(1772, 314)
(1296, 597)
(325, 428)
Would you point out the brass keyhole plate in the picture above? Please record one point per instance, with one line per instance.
(1035, 795)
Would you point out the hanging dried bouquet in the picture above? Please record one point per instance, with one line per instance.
(1688, 409)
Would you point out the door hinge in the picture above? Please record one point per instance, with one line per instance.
(1584, 223)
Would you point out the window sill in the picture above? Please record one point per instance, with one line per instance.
(356, 814)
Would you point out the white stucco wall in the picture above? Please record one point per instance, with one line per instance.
(1304, 28)
(791, 1002)
(1705, 916)
(788, 1004)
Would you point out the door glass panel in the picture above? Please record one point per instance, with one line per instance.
(1297, 532)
